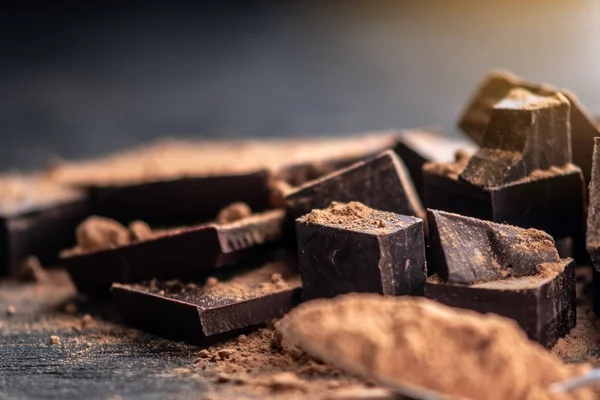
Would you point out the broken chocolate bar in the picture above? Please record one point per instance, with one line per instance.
(167, 183)
(469, 250)
(37, 218)
(498, 84)
(205, 313)
(593, 217)
(352, 248)
(381, 183)
(490, 267)
(542, 304)
(419, 146)
(521, 175)
(173, 254)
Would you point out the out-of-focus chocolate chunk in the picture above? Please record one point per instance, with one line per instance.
(352, 248)
(174, 253)
(198, 313)
(469, 250)
(542, 304)
(37, 218)
(498, 84)
(382, 183)
(593, 215)
(521, 175)
(526, 132)
(166, 183)
(429, 144)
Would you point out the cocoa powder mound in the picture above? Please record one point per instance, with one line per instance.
(420, 342)
(353, 215)
(233, 212)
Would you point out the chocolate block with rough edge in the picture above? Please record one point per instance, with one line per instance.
(37, 218)
(416, 147)
(204, 313)
(593, 215)
(352, 248)
(381, 182)
(177, 253)
(498, 83)
(467, 250)
(542, 304)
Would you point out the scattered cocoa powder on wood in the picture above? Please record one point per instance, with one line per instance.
(420, 342)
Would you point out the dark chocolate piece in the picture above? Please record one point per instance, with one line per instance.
(551, 201)
(469, 250)
(37, 218)
(175, 254)
(593, 217)
(206, 313)
(498, 84)
(429, 144)
(382, 183)
(543, 304)
(351, 248)
(526, 133)
(166, 183)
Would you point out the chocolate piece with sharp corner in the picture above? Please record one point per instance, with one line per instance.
(177, 253)
(204, 314)
(468, 250)
(497, 84)
(429, 144)
(351, 248)
(593, 216)
(542, 304)
(37, 218)
(526, 132)
(381, 182)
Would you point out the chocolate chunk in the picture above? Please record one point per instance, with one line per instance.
(498, 84)
(521, 175)
(526, 133)
(381, 183)
(198, 314)
(542, 304)
(593, 217)
(166, 183)
(419, 146)
(173, 254)
(37, 218)
(352, 248)
(469, 250)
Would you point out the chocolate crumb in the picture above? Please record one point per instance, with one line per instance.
(54, 340)
(139, 231)
(11, 310)
(224, 354)
(31, 270)
(233, 212)
(98, 233)
(86, 321)
(211, 281)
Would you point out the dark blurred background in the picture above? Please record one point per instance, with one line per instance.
(82, 80)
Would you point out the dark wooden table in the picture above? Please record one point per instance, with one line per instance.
(89, 82)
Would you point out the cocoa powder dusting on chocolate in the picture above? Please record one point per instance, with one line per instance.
(353, 215)
(420, 342)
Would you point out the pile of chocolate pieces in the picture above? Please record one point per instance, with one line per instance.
(495, 223)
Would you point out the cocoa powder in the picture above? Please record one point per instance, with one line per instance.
(419, 342)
